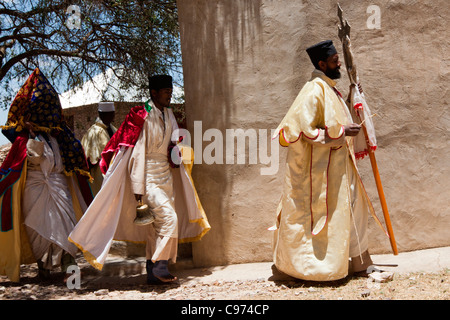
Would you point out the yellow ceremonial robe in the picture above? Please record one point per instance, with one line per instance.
(313, 226)
(93, 142)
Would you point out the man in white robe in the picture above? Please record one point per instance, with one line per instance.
(137, 166)
(151, 179)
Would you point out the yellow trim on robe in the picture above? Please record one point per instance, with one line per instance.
(15, 247)
(188, 164)
(88, 256)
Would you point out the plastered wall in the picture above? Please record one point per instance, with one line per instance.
(244, 63)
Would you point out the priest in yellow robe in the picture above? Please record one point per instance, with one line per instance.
(95, 140)
(321, 222)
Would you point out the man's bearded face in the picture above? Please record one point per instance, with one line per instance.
(333, 73)
(332, 67)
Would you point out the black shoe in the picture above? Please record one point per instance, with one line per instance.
(43, 273)
(151, 279)
(161, 272)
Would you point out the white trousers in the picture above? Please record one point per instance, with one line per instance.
(162, 243)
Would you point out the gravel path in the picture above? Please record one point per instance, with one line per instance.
(109, 286)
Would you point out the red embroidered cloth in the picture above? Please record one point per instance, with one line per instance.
(10, 171)
(126, 135)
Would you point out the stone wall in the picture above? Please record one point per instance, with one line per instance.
(244, 64)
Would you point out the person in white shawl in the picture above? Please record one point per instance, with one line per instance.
(95, 140)
(140, 170)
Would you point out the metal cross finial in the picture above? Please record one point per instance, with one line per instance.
(344, 36)
(344, 29)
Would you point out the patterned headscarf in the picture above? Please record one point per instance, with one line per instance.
(38, 100)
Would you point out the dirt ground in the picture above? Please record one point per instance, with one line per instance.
(98, 286)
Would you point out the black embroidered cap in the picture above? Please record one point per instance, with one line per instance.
(321, 51)
(160, 82)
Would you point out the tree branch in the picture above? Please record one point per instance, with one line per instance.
(39, 10)
(28, 35)
(51, 52)
(138, 36)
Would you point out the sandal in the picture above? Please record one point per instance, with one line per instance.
(161, 272)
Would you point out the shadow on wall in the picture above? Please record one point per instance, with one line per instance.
(213, 35)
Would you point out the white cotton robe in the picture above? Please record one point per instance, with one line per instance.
(47, 203)
(151, 177)
(144, 169)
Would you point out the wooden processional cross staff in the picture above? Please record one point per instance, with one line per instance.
(344, 36)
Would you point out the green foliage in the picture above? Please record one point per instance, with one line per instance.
(71, 41)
